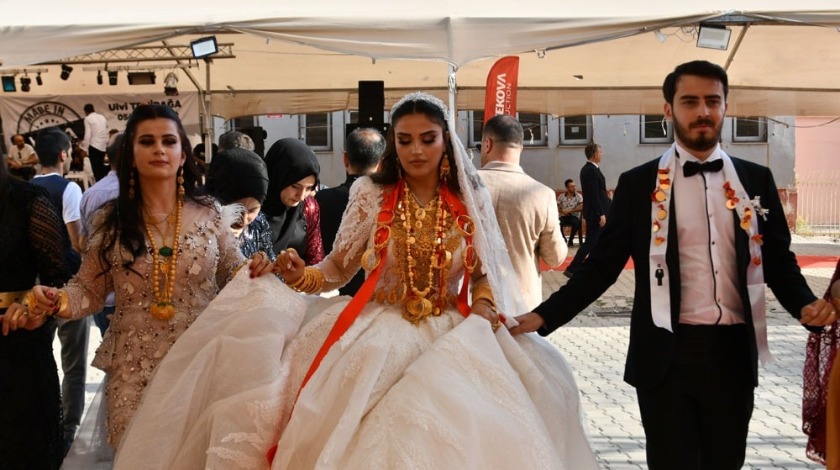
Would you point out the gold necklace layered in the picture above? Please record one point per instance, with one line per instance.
(421, 257)
(164, 262)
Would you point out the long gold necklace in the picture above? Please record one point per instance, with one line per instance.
(418, 304)
(164, 261)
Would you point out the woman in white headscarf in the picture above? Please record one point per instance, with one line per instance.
(411, 373)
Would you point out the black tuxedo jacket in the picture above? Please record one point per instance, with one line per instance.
(333, 202)
(596, 200)
(627, 234)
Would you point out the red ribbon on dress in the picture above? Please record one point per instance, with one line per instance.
(363, 295)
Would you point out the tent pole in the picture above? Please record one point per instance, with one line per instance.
(208, 117)
(452, 87)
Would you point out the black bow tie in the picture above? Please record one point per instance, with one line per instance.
(692, 168)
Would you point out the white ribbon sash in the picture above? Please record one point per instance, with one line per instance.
(660, 298)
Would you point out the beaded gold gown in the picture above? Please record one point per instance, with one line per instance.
(395, 391)
(136, 342)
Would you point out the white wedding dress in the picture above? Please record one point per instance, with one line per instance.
(445, 393)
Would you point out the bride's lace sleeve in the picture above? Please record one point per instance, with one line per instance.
(45, 237)
(230, 256)
(353, 234)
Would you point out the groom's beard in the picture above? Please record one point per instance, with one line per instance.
(704, 141)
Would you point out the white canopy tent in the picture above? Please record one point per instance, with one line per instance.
(309, 56)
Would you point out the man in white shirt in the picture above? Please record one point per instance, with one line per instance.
(96, 141)
(706, 232)
(22, 159)
(54, 149)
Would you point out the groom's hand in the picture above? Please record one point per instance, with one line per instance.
(528, 323)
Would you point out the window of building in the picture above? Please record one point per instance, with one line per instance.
(533, 126)
(575, 130)
(749, 129)
(655, 129)
(317, 130)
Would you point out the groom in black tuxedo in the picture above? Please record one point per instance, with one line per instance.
(698, 326)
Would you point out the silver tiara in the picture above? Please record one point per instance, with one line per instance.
(421, 96)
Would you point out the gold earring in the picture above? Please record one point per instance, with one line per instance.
(444, 167)
(181, 191)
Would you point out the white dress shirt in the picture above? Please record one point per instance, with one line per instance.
(96, 132)
(706, 237)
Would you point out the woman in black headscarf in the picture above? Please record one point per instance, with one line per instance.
(291, 211)
(239, 176)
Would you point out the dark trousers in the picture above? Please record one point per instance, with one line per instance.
(73, 336)
(593, 232)
(97, 163)
(574, 228)
(698, 417)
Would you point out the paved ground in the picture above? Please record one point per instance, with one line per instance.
(595, 344)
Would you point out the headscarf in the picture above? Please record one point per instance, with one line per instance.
(288, 161)
(236, 174)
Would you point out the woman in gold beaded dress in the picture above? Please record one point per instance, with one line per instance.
(161, 247)
(416, 371)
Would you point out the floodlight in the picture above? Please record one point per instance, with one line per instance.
(714, 37)
(25, 84)
(204, 47)
(141, 78)
(65, 71)
(112, 77)
(99, 77)
(660, 36)
(170, 84)
(38, 79)
(9, 83)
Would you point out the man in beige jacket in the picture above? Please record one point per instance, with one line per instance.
(526, 208)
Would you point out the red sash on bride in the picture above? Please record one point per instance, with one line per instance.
(358, 302)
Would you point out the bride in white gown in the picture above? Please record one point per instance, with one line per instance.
(405, 375)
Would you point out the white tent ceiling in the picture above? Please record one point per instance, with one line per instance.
(309, 56)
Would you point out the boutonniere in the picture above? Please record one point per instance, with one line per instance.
(756, 203)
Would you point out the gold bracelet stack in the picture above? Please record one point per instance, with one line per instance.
(311, 281)
(63, 303)
(483, 292)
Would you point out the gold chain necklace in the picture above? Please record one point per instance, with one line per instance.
(418, 305)
(165, 261)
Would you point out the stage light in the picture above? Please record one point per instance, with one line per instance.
(25, 84)
(38, 79)
(660, 36)
(112, 77)
(99, 77)
(141, 78)
(65, 71)
(9, 83)
(714, 37)
(170, 84)
(204, 47)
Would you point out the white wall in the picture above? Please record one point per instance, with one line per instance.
(552, 164)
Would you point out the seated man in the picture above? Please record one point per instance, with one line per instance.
(569, 204)
(22, 159)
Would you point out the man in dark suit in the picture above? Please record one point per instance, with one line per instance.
(705, 232)
(596, 204)
(362, 152)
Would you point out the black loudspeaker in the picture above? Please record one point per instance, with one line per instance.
(371, 103)
(258, 135)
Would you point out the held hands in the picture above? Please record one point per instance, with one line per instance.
(44, 300)
(818, 313)
(289, 265)
(602, 220)
(528, 323)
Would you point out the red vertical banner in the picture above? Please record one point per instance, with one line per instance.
(500, 94)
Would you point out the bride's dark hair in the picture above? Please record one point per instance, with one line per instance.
(389, 172)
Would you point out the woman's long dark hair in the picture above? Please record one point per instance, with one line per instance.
(123, 221)
(389, 169)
